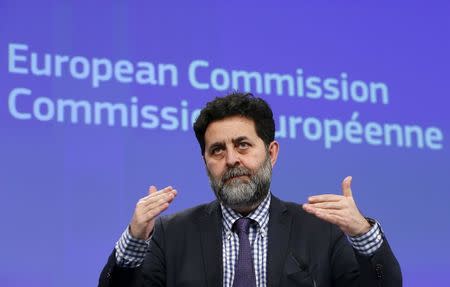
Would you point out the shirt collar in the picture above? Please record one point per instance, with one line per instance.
(260, 215)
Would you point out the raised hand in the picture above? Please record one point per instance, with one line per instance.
(148, 208)
(339, 209)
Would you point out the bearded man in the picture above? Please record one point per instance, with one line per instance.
(248, 237)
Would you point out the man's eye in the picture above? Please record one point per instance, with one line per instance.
(243, 145)
(216, 151)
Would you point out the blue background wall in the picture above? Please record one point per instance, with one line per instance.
(68, 188)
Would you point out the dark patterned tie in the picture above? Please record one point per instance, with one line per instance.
(244, 275)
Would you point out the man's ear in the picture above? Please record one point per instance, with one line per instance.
(274, 148)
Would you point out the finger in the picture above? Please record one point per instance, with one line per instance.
(327, 205)
(310, 208)
(156, 199)
(324, 197)
(156, 202)
(156, 211)
(157, 193)
(159, 200)
(166, 189)
(152, 189)
(149, 199)
(329, 217)
(346, 189)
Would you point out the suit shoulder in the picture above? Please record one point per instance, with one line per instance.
(296, 210)
(189, 215)
(304, 222)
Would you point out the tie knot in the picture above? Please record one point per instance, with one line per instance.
(242, 225)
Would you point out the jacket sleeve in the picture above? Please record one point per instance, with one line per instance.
(349, 268)
(382, 267)
(151, 273)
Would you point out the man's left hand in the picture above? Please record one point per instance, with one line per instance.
(339, 209)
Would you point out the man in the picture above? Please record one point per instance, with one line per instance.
(248, 237)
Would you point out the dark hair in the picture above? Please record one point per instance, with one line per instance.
(236, 103)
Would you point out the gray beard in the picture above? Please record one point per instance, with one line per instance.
(242, 194)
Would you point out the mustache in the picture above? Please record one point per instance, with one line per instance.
(234, 172)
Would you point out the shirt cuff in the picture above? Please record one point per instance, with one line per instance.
(369, 242)
(130, 251)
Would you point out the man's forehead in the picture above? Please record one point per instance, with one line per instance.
(230, 129)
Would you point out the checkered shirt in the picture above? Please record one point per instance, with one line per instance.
(369, 242)
(258, 241)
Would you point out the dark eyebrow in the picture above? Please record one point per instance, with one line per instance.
(239, 139)
(222, 144)
(216, 145)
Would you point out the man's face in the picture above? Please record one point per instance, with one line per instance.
(238, 163)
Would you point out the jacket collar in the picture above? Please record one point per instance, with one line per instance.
(279, 232)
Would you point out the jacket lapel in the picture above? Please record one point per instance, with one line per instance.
(210, 226)
(279, 232)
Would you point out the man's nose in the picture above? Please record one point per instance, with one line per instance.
(232, 157)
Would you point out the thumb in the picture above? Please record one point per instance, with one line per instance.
(346, 189)
(152, 189)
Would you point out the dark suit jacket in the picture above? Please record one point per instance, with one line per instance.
(186, 250)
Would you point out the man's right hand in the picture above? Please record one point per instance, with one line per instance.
(148, 208)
